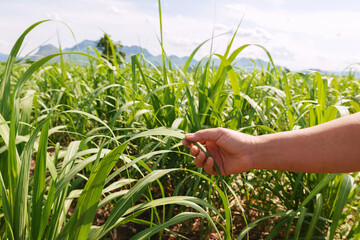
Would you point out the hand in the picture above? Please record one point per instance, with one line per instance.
(231, 150)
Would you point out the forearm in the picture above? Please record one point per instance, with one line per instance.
(332, 147)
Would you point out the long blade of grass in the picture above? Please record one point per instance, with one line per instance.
(47, 209)
(343, 194)
(69, 157)
(315, 217)
(256, 107)
(191, 202)
(5, 81)
(39, 183)
(181, 200)
(21, 197)
(134, 161)
(69, 175)
(224, 200)
(127, 200)
(175, 220)
(191, 57)
(233, 80)
(91, 116)
(6, 209)
(4, 130)
(82, 219)
(240, 49)
(323, 183)
(160, 132)
(255, 223)
(300, 223)
(26, 106)
(34, 67)
(13, 161)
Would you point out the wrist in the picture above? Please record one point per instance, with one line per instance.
(261, 152)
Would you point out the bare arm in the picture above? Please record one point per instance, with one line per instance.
(332, 147)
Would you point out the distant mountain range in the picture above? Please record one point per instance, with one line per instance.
(88, 46)
(3, 57)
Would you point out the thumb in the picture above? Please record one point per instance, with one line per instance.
(205, 135)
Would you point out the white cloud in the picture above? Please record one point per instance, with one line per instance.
(276, 2)
(321, 39)
(149, 20)
(320, 23)
(300, 39)
(255, 34)
(116, 10)
(222, 28)
(4, 43)
(184, 41)
(54, 16)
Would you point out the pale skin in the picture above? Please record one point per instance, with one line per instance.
(332, 147)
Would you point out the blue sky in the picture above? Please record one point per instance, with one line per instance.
(298, 34)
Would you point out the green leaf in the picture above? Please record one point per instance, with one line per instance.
(343, 194)
(190, 58)
(20, 224)
(91, 116)
(47, 209)
(160, 132)
(175, 220)
(6, 208)
(4, 130)
(86, 207)
(300, 223)
(315, 216)
(323, 183)
(69, 175)
(5, 81)
(126, 201)
(233, 80)
(321, 93)
(39, 183)
(255, 223)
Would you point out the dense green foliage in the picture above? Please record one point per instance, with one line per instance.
(110, 49)
(76, 139)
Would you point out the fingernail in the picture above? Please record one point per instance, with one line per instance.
(189, 135)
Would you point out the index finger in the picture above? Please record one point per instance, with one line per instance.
(211, 134)
(186, 143)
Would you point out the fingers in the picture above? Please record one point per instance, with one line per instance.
(205, 135)
(194, 150)
(201, 161)
(202, 136)
(209, 166)
(186, 143)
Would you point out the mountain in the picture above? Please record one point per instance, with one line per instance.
(250, 64)
(243, 63)
(44, 51)
(136, 50)
(155, 60)
(88, 47)
(3, 57)
(82, 47)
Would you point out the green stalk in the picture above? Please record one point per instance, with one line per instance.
(39, 184)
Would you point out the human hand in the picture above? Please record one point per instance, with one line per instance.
(230, 150)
